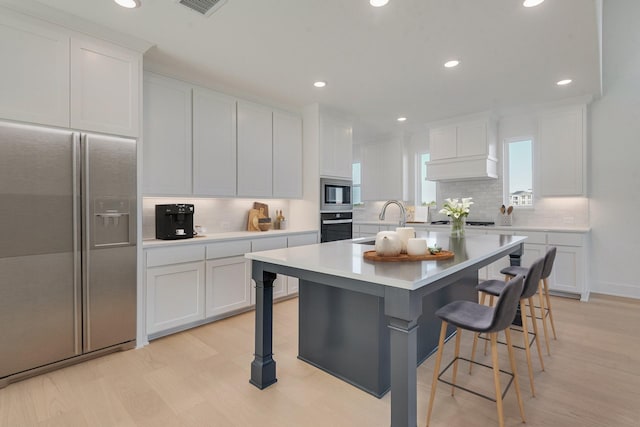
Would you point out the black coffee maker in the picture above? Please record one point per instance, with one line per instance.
(174, 221)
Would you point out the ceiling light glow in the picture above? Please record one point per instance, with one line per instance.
(452, 63)
(531, 3)
(402, 119)
(320, 84)
(564, 82)
(378, 3)
(129, 4)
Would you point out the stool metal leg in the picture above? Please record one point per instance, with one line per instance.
(436, 369)
(543, 317)
(527, 350)
(496, 377)
(535, 330)
(512, 360)
(455, 358)
(546, 293)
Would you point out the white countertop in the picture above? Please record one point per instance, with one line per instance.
(345, 259)
(567, 229)
(231, 235)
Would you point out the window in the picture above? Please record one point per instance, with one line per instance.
(518, 181)
(356, 184)
(427, 188)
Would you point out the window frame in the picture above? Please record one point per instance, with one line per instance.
(506, 180)
(421, 181)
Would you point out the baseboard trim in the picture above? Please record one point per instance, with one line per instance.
(616, 289)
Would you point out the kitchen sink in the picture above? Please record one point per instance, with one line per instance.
(366, 242)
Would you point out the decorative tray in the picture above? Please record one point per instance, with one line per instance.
(442, 255)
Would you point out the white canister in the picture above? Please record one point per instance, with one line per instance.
(405, 234)
(417, 247)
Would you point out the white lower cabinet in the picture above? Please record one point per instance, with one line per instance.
(227, 285)
(175, 295)
(293, 241)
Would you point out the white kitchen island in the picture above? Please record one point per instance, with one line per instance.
(401, 286)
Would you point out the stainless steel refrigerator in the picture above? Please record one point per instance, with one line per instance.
(67, 247)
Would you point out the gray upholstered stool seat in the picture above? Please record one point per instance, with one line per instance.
(493, 287)
(480, 318)
(514, 270)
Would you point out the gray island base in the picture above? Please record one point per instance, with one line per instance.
(400, 297)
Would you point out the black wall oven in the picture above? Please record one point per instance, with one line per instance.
(336, 226)
(335, 195)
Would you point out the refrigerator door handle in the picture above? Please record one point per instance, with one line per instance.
(77, 242)
(86, 243)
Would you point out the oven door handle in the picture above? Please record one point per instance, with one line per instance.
(337, 221)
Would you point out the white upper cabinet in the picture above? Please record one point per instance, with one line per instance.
(463, 150)
(53, 76)
(34, 76)
(214, 143)
(287, 155)
(336, 146)
(255, 161)
(167, 136)
(104, 87)
(382, 172)
(562, 142)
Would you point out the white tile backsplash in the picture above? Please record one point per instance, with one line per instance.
(216, 215)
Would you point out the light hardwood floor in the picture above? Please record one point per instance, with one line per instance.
(200, 378)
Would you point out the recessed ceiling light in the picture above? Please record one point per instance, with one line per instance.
(402, 119)
(129, 4)
(531, 3)
(378, 3)
(564, 82)
(320, 84)
(452, 63)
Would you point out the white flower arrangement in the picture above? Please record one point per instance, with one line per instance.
(455, 208)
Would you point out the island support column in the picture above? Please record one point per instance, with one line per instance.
(263, 367)
(402, 308)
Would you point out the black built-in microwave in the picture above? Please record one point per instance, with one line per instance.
(335, 195)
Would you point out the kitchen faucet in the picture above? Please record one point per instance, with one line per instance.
(403, 213)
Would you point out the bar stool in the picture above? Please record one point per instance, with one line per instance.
(549, 259)
(478, 318)
(496, 288)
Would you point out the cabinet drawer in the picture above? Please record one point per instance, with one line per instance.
(534, 237)
(268, 243)
(566, 239)
(165, 256)
(302, 239)
(227, 249)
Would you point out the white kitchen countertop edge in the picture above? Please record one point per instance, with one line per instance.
(278, 256)
(482, 227)
(217, 237)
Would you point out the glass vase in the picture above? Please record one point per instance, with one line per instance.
(457, 227)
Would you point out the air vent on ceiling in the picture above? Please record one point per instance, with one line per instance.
(203, 7)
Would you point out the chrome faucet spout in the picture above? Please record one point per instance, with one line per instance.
(403, 212)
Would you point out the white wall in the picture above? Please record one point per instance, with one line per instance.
(615, 154)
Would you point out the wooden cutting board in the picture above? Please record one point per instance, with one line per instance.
(252, 220)
(265, 208)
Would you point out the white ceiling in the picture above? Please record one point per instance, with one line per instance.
(380, 63)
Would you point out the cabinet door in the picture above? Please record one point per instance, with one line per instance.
(34, 76)
(562, 153)
(287, 155)
(336, 146)
(227, 286)
(255, 161)
(105, 87)
(175, 296)
(568, 271)
(442, 143)
(472, 139)
(167, 137)
(214, 144)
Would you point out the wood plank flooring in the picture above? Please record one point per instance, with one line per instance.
(199, 378)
